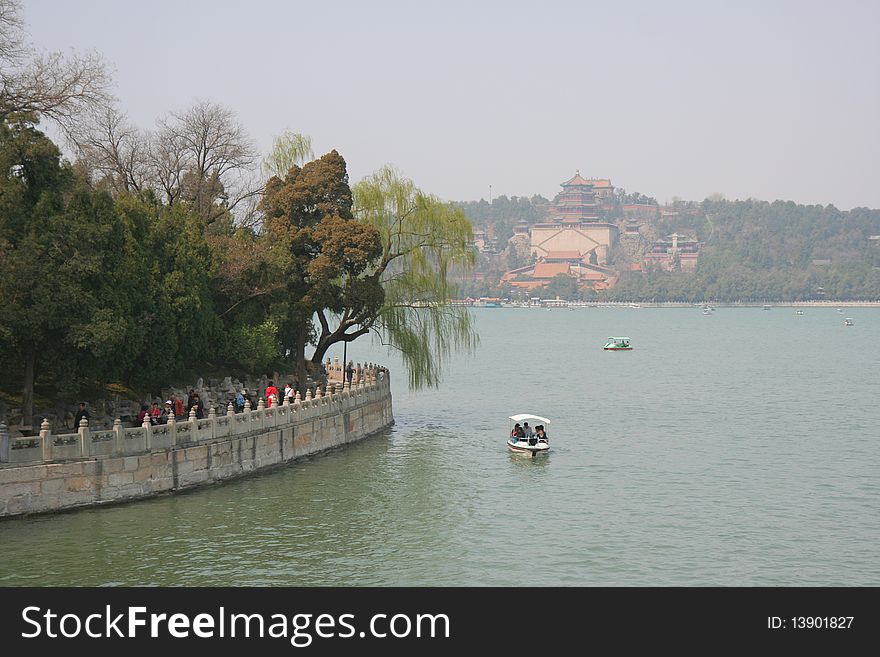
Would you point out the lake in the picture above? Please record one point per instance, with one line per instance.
(737, 448)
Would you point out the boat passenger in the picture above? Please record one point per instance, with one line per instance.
(542, 435)
(527, 430)
(515, 433)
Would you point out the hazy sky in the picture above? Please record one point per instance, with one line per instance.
(762, 99)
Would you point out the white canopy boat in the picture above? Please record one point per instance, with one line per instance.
(529, 444)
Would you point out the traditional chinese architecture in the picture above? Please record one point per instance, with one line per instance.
(541, 273)
(674, 252)
(575, 240)
(480, 240)
(576, 224)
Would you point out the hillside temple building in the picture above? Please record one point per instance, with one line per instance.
(575, 241)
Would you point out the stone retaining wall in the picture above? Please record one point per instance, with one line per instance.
(206, 452)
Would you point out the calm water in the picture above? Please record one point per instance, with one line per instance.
(739, 448)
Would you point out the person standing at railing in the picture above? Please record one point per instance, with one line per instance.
(197, 404)
(271, 394)
(144, 412)
(177, 403)
(80, 414)
(167, 412)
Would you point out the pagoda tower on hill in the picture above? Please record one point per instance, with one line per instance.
(576, 202)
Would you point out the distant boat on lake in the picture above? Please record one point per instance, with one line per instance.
(618, 344)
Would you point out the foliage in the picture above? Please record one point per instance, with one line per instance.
(65, 283)
(425, 244)
(254, 348)
(503, 213)
(759, 251)
(309, 222)
(288, 149)
(560, 286)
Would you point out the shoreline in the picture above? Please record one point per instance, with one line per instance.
(685, 304)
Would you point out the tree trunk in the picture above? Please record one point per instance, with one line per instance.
(27, 396)
(320, 352)
(332, 339)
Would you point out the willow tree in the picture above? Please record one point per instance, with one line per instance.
(288, 149)
(426, 244)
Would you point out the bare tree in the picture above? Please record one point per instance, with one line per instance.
(12, 48)
(202, 156)
(205, 156)
(58, 87)
(110, 146)
(167, 166)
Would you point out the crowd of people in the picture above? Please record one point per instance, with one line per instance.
(160, 413)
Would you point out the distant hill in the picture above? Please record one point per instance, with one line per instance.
(780, 251)
(752, 250)
(500, 216)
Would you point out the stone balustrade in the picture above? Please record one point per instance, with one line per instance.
(51, 472)
(336, 371)
(221, 424)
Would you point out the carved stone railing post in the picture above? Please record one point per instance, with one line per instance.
(261, 416)
(4, 443)
(46, 439)
(248, 415)
(147, 426)
(172, 428)
(212, 416)
(119, 437)
(85, 439)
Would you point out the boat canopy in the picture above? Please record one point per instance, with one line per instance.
(616, 339)
(526, 416)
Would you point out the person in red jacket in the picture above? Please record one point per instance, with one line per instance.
(271, 394)
(178, 408)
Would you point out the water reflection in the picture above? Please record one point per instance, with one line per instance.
(528, 462)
